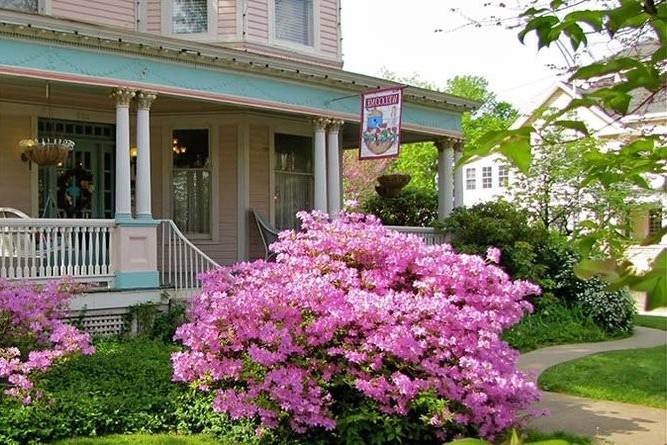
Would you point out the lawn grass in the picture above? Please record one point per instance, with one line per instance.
(651, 321)
(534, 436)
(636, 376)
(142, 439)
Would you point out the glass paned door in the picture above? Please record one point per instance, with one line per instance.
(293, 172)
(83, 187)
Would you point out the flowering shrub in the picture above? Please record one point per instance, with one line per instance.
(353, 308)
(33, 336)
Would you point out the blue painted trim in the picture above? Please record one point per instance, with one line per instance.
(137, 280)
(144, 217)
(225, 83)
(122, 217)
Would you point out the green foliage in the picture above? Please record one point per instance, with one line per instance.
(554, 323)
(411, 207)
(125, 387)
(145, 439)
(420, 161)
(613, 311)
(642, 75)
(515, 438)
(651, 321)
(634, 376)
(152, 321)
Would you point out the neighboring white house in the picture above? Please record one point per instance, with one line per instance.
(486, 179)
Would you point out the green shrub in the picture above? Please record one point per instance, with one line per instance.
(613, 311)
(553, 323)
(410, 208)
(124, 387)
(150, 320)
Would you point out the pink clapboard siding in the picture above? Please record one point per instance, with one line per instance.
(257, 20)
(118, 13)
(329, 30)
(227, 19)
(153, 16)
(15, 176)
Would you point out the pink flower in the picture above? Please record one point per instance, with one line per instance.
(493, 255)
(351, 302)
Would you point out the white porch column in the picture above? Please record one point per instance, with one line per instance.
(458, 175)
(445, 177)
(333, 167)
(143, 180)
(320, 164)
(123, 97)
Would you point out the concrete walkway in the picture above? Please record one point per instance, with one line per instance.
(609, 422)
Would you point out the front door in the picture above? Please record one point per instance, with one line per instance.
(83, 187)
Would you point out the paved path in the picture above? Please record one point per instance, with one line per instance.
(609, 422)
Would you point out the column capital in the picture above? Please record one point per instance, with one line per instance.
(145, 99)
(320, 123)
(336, 124)
(449, 142)
(123, 96)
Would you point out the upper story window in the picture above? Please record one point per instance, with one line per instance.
(189, 16)
(20, 5)
(294, 21)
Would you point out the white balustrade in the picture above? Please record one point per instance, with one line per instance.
(430, 235)
(39, 249)
(180, 261)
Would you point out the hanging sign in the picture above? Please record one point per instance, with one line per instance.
(380, 123)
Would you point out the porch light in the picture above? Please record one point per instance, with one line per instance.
(133, 152)
(46, 151)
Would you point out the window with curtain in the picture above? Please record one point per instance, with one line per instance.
(293, 178)
(294, 21)
(189, 16)
(192, 181)
(471, 179)
(20, 5)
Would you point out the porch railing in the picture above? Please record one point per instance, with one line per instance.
(180, 261)
(40, 249)
(430, 235)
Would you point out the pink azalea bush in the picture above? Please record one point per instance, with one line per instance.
(33, 335)
(349, 302)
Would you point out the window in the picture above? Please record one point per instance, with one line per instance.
(654, 221)
(294, 21)
(471, 179)
(192, 180)
(487, 180)
(20, 5)
(294, 178)
(189, 16)
(503, 176)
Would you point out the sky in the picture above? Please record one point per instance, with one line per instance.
(401, 37)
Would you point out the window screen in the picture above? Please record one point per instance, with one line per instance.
(294, 21)
(189, 16)
(20, 5)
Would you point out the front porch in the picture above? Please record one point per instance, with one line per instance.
(177, 149)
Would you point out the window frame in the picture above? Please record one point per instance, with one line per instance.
(469, 178)
(485, 177)
(288, 44)
(503, 178)
(168, 185)
(43, 8)
(166, 25)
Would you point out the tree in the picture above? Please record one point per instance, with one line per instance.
(637, 72)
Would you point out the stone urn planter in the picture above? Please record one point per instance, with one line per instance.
(391, 185)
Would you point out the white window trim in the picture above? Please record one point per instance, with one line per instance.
(166, 22)
(168, 189)
(489, 177)
(293, 46)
